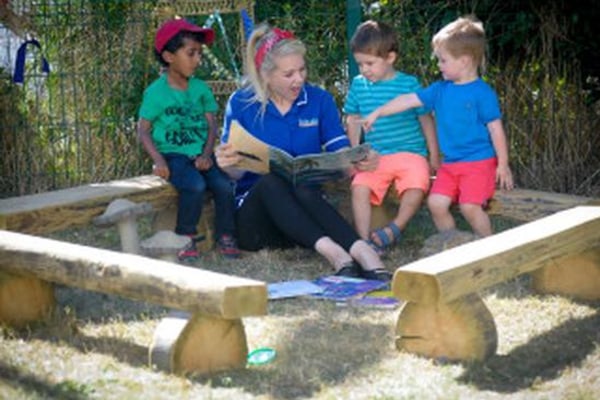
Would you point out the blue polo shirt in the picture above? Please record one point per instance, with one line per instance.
(312, 125)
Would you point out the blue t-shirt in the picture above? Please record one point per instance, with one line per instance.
(462, 113)
(399, 132)
(312, 125)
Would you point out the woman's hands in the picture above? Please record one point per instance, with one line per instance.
(226, 156)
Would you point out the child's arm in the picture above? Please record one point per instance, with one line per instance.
(428, 127)
(503, 173)
(204, 161)
(353, 129)
(144, 129)
(397, 105)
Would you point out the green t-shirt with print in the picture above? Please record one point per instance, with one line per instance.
(177, 116)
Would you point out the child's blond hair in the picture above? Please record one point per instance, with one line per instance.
(464, 36)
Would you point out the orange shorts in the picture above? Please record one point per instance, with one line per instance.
(472, 182)
(404, 170)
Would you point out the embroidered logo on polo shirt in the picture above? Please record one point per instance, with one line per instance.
(306, 123)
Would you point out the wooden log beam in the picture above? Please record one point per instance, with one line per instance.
(473, 266)
(57, 210)
(132, 276)
(519, 204)
(529, 205)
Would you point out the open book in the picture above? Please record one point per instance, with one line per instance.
(259, 157)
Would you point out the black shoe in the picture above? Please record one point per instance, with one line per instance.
(378, 274)
(350, 270)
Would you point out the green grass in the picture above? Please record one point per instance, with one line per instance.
(96, 346)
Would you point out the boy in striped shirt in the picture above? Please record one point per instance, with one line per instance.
(404, 141)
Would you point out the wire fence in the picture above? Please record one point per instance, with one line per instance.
(76, 124)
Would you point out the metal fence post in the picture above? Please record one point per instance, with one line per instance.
(353, 15)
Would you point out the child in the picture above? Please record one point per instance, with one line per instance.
(177, 128)
(469, 128)
(402, 140)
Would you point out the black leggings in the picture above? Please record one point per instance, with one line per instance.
(275, 214)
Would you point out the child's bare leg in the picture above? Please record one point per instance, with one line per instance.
(439, 207)
(477, 218)
(333, 252)
(361, 210)
(410, 202)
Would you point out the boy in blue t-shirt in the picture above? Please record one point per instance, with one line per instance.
(177, 128)
(403, 140)
(469, 128)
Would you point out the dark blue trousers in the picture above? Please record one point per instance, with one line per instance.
(191, 185)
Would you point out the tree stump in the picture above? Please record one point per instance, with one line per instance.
(462, 330)
(195, 343)
(24, 299)
(575, 275)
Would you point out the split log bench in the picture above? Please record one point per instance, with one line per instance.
(444, 317)
(207, 335)
(522, 205)
(73, 207)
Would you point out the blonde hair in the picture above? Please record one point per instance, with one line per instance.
(464, 36)
(263, 35)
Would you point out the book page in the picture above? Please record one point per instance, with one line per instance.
(254, 152)
(259, 157)
(328, 166)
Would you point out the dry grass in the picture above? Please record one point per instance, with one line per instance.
(95, 346)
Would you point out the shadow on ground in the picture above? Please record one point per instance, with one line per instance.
(561, 348)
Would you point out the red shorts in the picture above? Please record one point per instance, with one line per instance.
(467, 182)
(405, 170)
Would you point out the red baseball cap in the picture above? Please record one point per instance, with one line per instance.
(172, 27)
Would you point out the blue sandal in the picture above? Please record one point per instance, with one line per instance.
(384, 238)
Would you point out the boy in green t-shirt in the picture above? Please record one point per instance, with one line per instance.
(177, 128)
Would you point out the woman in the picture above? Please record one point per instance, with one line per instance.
(280, 108)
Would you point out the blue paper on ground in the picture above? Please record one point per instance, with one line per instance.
(341, 288)
(282, 290)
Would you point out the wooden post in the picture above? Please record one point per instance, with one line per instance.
(575, 275)
(461, 330)
(185, 342)
(24, 299)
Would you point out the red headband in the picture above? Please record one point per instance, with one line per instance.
(277, 36)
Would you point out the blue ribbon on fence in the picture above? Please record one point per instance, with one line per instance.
(19, 74)
(248, 24)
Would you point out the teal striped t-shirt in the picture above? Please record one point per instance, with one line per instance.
(394, 133)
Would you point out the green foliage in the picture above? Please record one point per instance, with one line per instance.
(78, 125)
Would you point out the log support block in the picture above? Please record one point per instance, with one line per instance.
(575, 275)
(187, 343)
(462, 330)
(24, 300)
